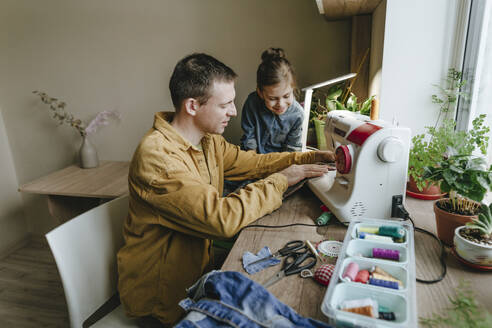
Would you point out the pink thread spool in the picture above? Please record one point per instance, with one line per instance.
(382, 253)
(362, 276)
(351, 271)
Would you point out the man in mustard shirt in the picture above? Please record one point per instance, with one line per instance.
(176, 182)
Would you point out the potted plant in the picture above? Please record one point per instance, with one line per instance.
(473, 241)
(425, 153)
(429, 147)
(336, 98)
(467, 179)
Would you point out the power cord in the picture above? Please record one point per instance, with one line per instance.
(400, 212)
(289, 225)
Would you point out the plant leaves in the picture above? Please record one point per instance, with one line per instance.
(482, 181)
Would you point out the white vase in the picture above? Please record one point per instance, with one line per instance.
(88, 154)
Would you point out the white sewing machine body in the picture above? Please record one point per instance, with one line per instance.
(372, 162)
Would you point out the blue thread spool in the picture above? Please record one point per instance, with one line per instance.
(391, 231)
(383, 283)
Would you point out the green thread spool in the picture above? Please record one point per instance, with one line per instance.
(395, 232)
(324, 218)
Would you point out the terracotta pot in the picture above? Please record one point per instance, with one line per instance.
(447, 222)
(431, 189)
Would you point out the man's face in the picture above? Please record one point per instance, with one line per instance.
(278, 97)
(214, 115)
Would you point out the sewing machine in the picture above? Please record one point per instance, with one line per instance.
(371, 166)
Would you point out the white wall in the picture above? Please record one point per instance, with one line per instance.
(119, 54)
(418, 50)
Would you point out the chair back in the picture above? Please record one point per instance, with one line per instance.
(85, 250)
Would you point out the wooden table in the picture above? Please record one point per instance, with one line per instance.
(73, 190)
(305, 295)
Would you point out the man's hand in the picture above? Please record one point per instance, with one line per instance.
(296, 173)
(324, 156)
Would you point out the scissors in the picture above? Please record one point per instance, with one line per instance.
(294, 263)
(289, 248)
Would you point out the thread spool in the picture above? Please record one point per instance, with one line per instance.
(389, 254)
(324, 218)
(390, 278)
(363, 310)
(373, 230)
(383, 283)
(351, 271)
(359, 303)
(374, 109)
(368, 236)
(389, 316)
(376, 269)
(391, 231)
(362, 276)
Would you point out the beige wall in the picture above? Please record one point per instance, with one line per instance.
(13, 226)
(377, 46)
(119, 54)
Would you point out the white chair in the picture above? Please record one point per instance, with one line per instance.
(85, 253)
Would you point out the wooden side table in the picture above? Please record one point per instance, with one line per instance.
(73, 190)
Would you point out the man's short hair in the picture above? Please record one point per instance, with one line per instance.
(193, 77)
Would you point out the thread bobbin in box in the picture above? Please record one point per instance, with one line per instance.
(373, 284)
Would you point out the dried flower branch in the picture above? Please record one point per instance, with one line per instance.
(60, 114)
(102, 119)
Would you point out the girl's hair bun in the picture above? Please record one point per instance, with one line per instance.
(272, 54)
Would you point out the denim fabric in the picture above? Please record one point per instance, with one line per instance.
(267, 132)
(229, 299)
(249, 258)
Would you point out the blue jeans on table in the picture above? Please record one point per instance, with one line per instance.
(230, 299)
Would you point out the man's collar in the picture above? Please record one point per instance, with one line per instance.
(162, 123)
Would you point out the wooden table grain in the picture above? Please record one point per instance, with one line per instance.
(305, 295)
(73, 190)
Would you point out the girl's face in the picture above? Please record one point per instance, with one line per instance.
(277, 97)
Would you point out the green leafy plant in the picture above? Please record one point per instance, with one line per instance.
(427, 152)
(448, 96)
(337, 98)
(429, 147)
(484, 221)
(465, 177)
(464, 311)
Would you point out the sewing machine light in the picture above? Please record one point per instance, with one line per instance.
(308, 95)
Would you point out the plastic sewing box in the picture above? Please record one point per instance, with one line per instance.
(402, 301)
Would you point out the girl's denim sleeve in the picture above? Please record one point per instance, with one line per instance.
(249, 126)
(293, 140)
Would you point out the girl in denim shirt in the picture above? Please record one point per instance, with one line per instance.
(271, 118)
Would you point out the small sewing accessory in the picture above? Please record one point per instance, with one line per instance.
(322, 274)
(329, 248)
